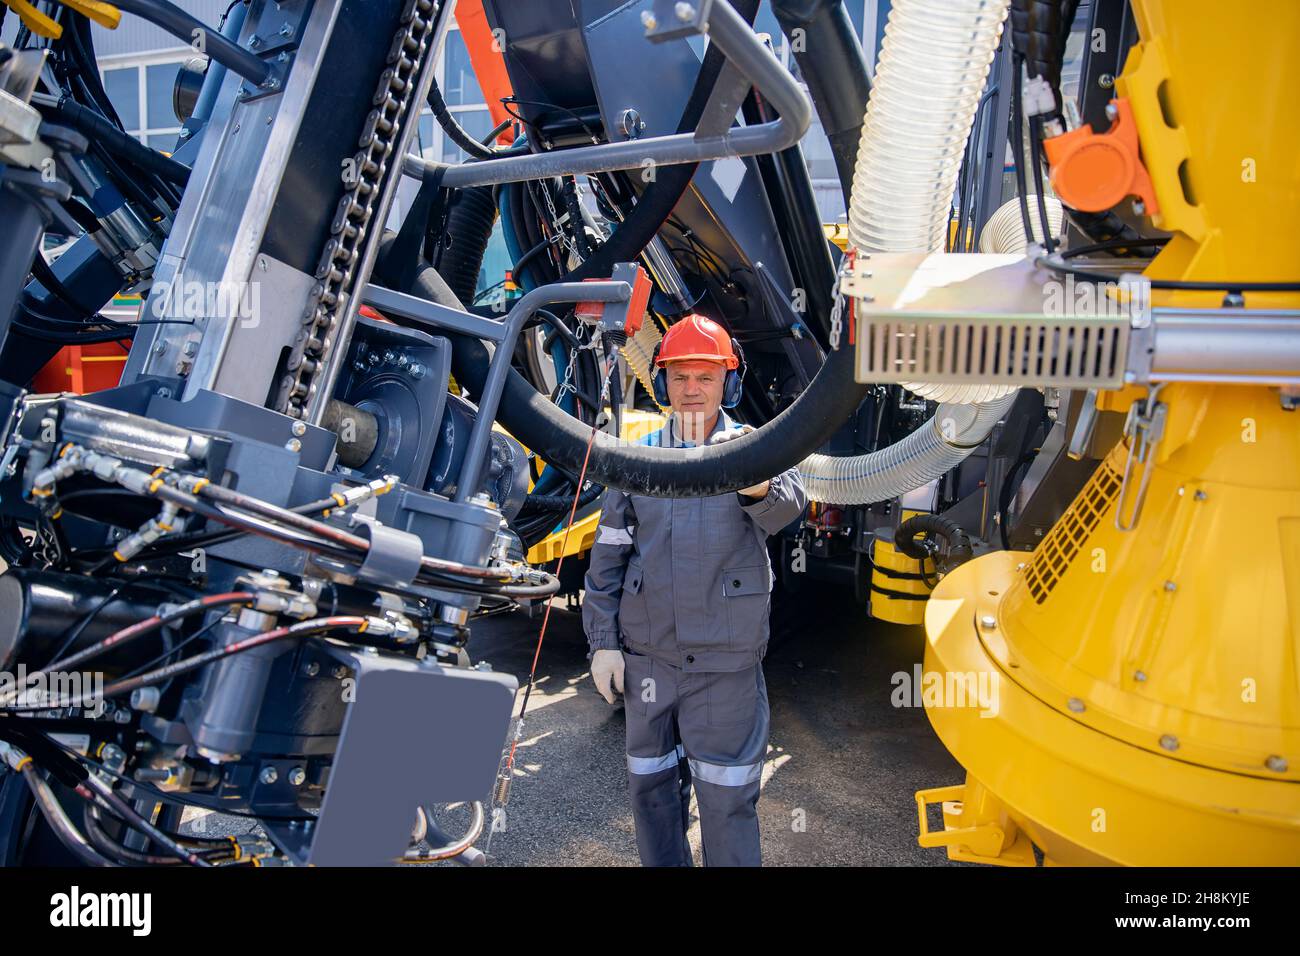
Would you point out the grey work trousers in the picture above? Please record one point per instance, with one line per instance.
(708, 730)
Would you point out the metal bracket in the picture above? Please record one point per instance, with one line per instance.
(394, 556)
(1144, 428)
(671, 19)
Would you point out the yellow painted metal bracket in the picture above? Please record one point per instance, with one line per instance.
(980, 843)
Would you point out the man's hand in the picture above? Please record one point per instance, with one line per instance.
(758, 491)
(607, 669)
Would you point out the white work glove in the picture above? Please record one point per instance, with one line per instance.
(607, 668)
(753, 491)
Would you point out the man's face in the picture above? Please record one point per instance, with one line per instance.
(695, 388)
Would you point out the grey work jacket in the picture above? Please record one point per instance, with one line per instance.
(687, 580)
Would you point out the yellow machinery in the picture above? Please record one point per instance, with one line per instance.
(899, 584)
(1147, 653)
(636, 425)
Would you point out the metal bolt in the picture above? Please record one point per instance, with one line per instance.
(1076, 705)
(190, 347)
(1112, 112)
(374, 358)
(254, 42)
(340, 671)
(1276, 764)
(1200, 496)
(286, 31)
(146, 699)
(164, 392)
(988, 622)
(416, 371)
(632, 123)
(298, 428)
(312, 669)
(297, 776)
(1139, 676)
(685, 12)
(648, 20)
(1171, 586)
(390, 358)
(268, 775)
(113, 756)
(122, 715)
(293, 444)
(160, 348)
(1106, 81)
(1169, 742)
(1139, 207)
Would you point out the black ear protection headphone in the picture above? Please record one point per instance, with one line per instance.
(732, 385)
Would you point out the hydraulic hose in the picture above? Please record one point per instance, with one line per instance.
(99, 130)
(932, 70)
(665, 472)
(58, 819)
(830, 60)
(959, 549)
(469, 227)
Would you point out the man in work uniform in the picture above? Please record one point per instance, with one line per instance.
(676, 610)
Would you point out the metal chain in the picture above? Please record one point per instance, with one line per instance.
(565, 242)
(330, 297)
(837, 310)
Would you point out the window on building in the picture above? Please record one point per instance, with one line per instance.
(142, 95)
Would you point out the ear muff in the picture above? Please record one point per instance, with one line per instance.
(732, 386)
(659, 378)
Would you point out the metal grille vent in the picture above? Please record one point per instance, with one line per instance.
(1063, 352)
(1058, 550)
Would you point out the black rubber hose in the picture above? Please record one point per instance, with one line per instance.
(172, 19)
(469, 227)
(457, 133)
(830, 59)
(661, 196)
(959, 549)
(1106, 227)
(534, 503)
(97, 129)
(530, 417)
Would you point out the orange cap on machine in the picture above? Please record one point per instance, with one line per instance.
(1094, 171)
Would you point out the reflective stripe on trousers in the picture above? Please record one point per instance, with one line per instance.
(647, 765)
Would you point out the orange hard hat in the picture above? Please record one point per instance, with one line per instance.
(696, 337)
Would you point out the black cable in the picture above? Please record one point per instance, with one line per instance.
(1036, 158)
(57, 818)
(1225, 286)
(1110, 244)
(457, 133)
(1018, 138)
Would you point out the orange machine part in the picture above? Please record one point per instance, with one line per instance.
(1094, 171)
(83, 368)
(487, 59)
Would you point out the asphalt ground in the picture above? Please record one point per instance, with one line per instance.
(843, 762)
